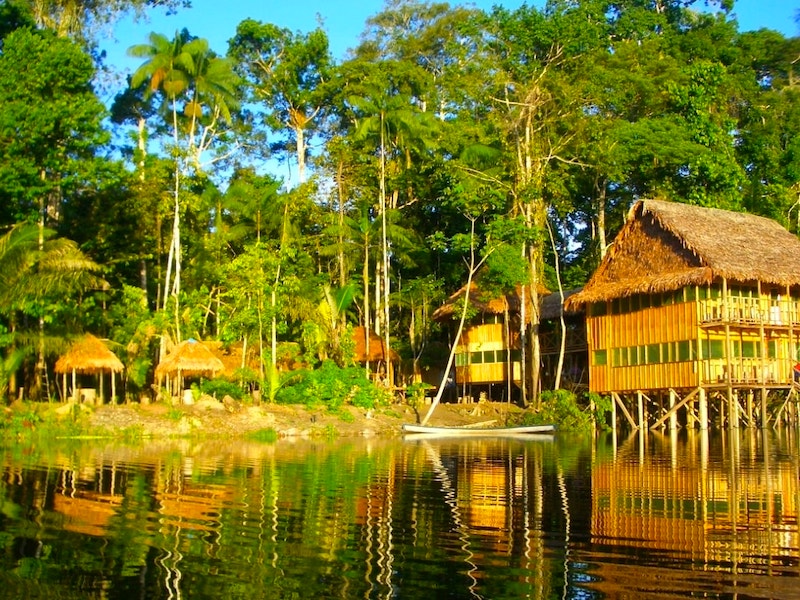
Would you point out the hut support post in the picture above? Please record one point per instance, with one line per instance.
(702, 407)
(673, 411)
(673, 418)
(75, 396)
(614, 415)
(618, 400)
(113, 387)
(762, 311)
(790, 316)
(640, 408)
(733, 402)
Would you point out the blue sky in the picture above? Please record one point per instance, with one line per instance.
(344, 21)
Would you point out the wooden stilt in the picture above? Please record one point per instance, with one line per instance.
(614, 416)
(702, 406)
(625, 411)
(688, 401)
(733, 409)
(750, 422)
(673, 418)
(640, 407)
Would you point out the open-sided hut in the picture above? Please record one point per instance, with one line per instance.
(693, 301)
(190, 358)
(90, 356)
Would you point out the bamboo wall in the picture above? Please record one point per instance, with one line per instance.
(482, 354)
(695, 337)
(654, 325)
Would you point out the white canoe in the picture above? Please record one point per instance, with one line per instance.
(523, 430)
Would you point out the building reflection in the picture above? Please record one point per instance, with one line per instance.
(734, 512)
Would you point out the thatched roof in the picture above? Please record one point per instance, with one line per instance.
(89, 355)
(552, 305)
(377, 349)
(190, 358)
(484, 302)
(665, 246)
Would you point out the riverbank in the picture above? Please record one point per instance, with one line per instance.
(209, 417)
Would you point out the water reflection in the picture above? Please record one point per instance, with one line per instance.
(652, 516)
(698, 516)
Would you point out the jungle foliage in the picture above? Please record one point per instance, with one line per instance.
(444, 120)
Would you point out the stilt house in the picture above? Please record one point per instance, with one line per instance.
(487, 354)
(487, 358)
(554, 325)
(694, 301)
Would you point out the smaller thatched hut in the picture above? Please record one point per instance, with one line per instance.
(374, 353)
(487, 352)
(190, 358)
(89, 355)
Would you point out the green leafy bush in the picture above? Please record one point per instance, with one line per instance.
(602, 408)
(219, 388)
(333, 387)
(560, 408)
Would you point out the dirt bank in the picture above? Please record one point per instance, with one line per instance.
(210, 417)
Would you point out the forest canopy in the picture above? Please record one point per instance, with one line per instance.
(519, 138)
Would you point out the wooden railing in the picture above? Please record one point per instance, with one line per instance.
(747, 371)
(751, 311)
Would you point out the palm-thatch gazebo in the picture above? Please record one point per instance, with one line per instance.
(190, 358)
(89, 355)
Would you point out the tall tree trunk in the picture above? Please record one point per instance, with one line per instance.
(340, 252)
(175, 245)
(299, 135)
(562, 324)
(473, 267)
(385, 255)
(600, 212)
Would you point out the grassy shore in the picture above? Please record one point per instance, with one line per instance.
(211, 418)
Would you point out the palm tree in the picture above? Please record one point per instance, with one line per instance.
(199, 91)
(385, 115)
(33, 265)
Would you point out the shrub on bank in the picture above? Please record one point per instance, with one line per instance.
(219, 388)
(560, 408)
(333, 387)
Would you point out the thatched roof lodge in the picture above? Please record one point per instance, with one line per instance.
(89, 355)
(487, 352)
(697, 301)
(484, 302)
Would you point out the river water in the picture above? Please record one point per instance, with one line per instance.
(681, 516)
